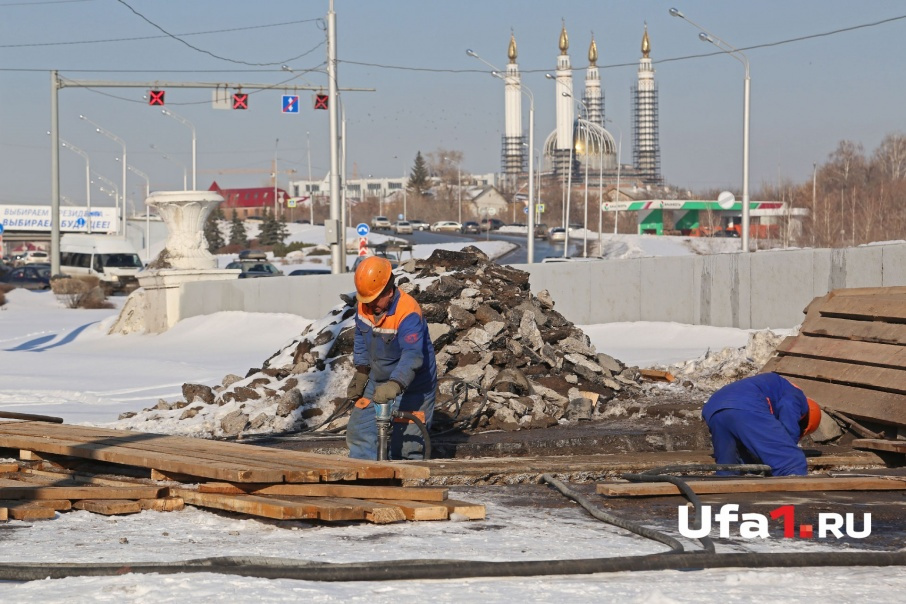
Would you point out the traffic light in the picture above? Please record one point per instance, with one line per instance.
(321, 101)
(240, 100)
(156, 98)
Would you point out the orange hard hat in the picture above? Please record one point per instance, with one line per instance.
(814, 417)
(371, 277)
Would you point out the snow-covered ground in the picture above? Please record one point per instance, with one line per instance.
(60, 362)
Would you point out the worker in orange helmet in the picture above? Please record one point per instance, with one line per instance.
(394, 358)
(761, 419)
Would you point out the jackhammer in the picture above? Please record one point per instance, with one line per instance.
(384, 414)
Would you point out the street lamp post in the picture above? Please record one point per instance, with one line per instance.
(188, 124)
(530, 242)
(585, 226)
(75, 149)
(116, 192)
(117, 139)
(311, 193)
(138, 172)
(706, 36)
(616, 215)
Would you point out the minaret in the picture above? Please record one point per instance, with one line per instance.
(565, 107)
(646, 150)
(594, 96)
(513, 154)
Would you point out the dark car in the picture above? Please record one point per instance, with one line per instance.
(310, 271)
(32, 276)
(490, 224)
(471, 227)
(541, 231)
(255, 265)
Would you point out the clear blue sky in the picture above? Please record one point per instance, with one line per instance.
(806, 96)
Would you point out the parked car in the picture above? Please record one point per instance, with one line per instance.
(556, 234)
(470, 227)
(35, 257)
(403, 227)
(419, 225)
(490, 224)
(381, 223)
(541, 231)
(309, 271)
(255, 265)
(448, 226)
(32, 276)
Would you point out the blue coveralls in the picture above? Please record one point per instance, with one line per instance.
(397, 347)
(756, 420)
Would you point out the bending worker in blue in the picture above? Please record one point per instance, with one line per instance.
(393, 356)
(760, 419)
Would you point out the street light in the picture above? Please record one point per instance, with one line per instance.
(569, 177)
(585, 225)
(117, 139)
(530, 242)
(75, 149)
(616, 216)
(188, 124)
(706, 36)
(115, 192)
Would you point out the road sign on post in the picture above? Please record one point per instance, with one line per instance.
(156, 97)
(321, 101)
(363, 246)
(362, 229)
(240, 100)
(291, 103)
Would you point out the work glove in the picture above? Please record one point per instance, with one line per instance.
(356, 387)
(386, 392)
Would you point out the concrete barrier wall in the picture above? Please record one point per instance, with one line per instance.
(751, 291)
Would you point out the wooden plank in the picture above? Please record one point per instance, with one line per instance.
(753, 485)
(419, 510)
(268, 507)
(657, 375)
(879, 444)
(880, 378)
(60, 505)
(26, 455)
(865, 353)
(858, 403)
(108, 507)
(884, 307)
(9, 467)
(163, 504)
(474, 511)
(866, 331)
(377, 513)
(330, 509)
(143, 459)
(12, 489)
(328, 490)
(31, 511)
(4, 514)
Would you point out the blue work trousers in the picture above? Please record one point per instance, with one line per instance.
(406, 440)
(741, 436)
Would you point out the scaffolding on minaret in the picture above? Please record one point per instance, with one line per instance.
(646, 149)
(513, 155)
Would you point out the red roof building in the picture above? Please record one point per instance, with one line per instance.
(250, 203)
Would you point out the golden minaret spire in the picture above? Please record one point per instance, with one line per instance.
(646, 43)
(593, 51)
(511, 50)
(564, 39)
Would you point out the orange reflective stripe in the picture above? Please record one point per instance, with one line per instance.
(405, 420)
(362, 402)
(770, 407)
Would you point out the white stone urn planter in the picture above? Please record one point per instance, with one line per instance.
(185, 213)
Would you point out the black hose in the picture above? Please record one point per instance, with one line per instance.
(675, 546)
(424, 429)
(709, 467)
(399, 570)
(687, 492)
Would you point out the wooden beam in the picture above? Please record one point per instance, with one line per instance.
(163, 504)
(879, 444)
(108, 507)
(864, 353)
(418, 510)
(13, 489)
(753, 485)
(30, 510)
(878, 378)
(878, 307)
(268, 507)
(328, 490)
(865, 331)
(473, 511)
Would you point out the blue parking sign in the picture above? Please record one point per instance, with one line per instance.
(290, 103)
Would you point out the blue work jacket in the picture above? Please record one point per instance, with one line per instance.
(396, 345)
(762, 393)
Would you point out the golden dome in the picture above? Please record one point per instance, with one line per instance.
(564, 40)
(593, 52)
(511, 50)
(646, 43)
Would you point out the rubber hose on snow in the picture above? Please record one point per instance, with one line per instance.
(404, 570)
(675, 546)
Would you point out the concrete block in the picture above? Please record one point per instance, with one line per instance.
(782, 285)
(893, 265)
(667, 289)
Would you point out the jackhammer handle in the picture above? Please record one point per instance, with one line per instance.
(30, 417)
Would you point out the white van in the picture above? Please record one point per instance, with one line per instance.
(112, 259)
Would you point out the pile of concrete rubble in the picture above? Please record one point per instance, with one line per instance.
(506, 361)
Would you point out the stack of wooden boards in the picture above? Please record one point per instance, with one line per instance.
(259, 481)
(850, 356)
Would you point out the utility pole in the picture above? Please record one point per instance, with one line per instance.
(335, 209)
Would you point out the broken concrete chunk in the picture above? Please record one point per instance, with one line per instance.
(609, 363)
(544, 297)
(289, 402)
(234, 423)
(204, 393)
(436, 330)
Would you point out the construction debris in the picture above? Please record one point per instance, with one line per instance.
(506, 361)
(234, 477)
